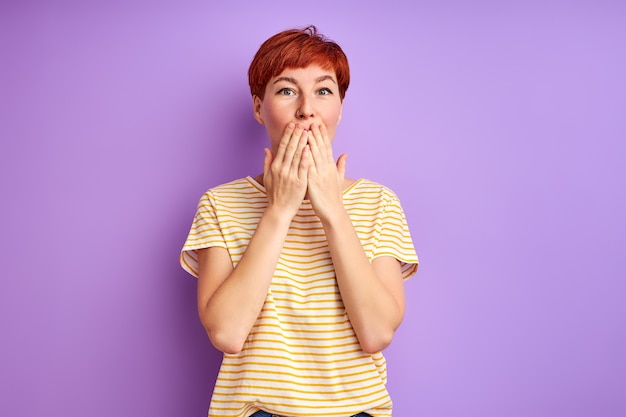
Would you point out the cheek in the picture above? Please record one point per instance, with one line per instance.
(333, 117)
(274, 125)
(331, 126)
(274, 117)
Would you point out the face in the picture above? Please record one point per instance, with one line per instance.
(300, 95)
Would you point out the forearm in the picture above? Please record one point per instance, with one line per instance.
(374, 311)
(230, 312)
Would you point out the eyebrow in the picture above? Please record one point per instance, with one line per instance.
(317, 80)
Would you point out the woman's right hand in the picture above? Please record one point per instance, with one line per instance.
(230, 298)
(285, 174)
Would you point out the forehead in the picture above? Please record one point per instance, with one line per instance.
(312, 72)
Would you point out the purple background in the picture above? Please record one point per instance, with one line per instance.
(501, 125)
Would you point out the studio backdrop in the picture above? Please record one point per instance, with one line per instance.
(500, 125)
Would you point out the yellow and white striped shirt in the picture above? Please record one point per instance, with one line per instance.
(302, 358)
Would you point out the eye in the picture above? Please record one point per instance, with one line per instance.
(324, 91)
(286, 92)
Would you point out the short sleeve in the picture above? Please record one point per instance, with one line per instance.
(394, 238)
(205, 232)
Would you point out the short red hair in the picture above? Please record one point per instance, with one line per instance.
(297, 48)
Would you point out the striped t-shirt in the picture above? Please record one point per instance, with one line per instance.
(302, 357)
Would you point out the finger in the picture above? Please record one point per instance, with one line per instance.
(267, 161)
(298, 154)
(305, 162)
(284, 141)
(341, 165)
(315, 142)
(293, 144)
(326, 140)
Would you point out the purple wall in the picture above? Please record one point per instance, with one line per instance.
(501, 127)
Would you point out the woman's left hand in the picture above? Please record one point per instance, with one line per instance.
(325, 177)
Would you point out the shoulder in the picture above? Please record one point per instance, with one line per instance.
(365, 189)
(241, 187)
(240, 184)
(231, 192)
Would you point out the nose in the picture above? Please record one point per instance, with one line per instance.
(305, 109)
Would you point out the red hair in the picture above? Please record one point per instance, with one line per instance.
(297, 48)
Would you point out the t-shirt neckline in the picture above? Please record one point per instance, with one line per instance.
(262, 189)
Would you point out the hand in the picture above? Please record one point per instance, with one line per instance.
(325, 177)
(285, 174)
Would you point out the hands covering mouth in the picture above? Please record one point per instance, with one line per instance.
(304, 166)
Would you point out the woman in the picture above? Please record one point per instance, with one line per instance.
(300, 269)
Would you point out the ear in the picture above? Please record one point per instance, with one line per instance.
(256, 108)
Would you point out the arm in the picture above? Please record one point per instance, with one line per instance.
(373, 293)
(230, 299)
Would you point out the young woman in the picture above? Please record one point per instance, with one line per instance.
(300, 269)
